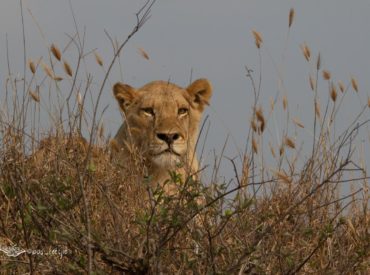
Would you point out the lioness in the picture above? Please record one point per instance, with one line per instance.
(161, 121)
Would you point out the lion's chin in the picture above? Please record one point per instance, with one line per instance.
(167, 160)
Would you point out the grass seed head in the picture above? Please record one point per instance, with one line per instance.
(32, 66)
(257, 38)
(318, 62)
(56, 52)
(67, 68)
(354, 84)
(260, 119)
(272, 150)
(297, 122)
(245, 171)
(254, 126)
(281, 150)
(291, 17)
(285, 102)
(143, 53)
(326, 74)
(272, 103)
(254, 146)
(289, 142)
(306, 52)
(79, 99)
(98, 59)
(368, 102)
(341, 85)
(80, 102)
(34, 96)
(317, 109)
(47, 70)
(312, 83)
(58, 78)
(281, 175)
(333, 92)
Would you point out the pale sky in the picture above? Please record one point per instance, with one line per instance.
(213, 38)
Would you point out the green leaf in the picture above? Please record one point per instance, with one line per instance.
(91, 167)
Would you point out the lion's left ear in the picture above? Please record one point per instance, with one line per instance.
(201, 91)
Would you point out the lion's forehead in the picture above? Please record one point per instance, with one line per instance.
(166, 100)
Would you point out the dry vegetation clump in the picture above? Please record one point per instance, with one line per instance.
(54, 199)
(68, 207)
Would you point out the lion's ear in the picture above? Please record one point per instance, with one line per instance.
(124, 94)
(201, 91)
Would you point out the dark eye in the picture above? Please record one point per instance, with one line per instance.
(148, 111)
(183, 111)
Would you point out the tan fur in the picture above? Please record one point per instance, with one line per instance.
(154, 115)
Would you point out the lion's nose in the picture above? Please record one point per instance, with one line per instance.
(169, 138)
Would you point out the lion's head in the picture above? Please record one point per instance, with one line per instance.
(162, 119)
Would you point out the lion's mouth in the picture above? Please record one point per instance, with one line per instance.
(168, 151)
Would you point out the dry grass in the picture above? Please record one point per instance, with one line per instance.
(64, 195)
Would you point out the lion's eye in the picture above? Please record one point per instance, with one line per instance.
(148, 111)
(183, 111)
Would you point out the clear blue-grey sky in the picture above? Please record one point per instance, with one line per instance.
(213, 39)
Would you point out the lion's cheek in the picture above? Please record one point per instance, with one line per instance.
(140, 129)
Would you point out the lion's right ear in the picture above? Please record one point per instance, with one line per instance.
(201, 91)
(124, 94)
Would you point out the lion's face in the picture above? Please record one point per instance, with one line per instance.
(162, 119)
